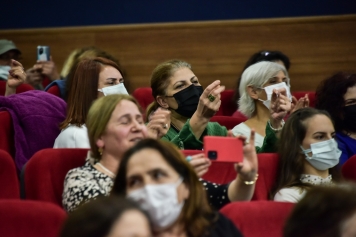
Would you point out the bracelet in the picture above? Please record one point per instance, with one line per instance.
(249, 182)
(274, 129)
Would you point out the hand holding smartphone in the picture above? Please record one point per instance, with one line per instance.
(43, 53)
(224, 149)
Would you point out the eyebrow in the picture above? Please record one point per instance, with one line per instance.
(184, 80)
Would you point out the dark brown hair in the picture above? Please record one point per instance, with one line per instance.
(330, 96)
(322, 212)
(84, 90)
(196, 215)
(291, 161)
(96, 218)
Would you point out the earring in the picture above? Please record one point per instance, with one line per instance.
(100, 151)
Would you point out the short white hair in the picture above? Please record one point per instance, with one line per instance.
(256, 75)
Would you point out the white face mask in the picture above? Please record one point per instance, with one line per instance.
(269, 92)
(4, 72)
(160, 201)
(116, 89)
(326, 154)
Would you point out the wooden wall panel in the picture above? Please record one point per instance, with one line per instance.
(317, 46)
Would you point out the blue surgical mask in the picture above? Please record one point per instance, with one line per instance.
(4, 72)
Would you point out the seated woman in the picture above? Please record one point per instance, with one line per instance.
(256, 90)
(107, 217)
(337, 95)
(175, 87)
(324, 211)
(308, 154)
(115, 124)
(156, 175)
(93, 78)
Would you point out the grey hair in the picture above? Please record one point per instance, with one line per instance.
(256, 75)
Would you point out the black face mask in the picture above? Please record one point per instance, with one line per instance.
(349, 122)
(188, 100)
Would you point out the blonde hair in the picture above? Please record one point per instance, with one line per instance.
(99, 115)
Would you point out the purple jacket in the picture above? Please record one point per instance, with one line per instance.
(36, 116)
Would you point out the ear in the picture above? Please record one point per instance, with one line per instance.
(252, 92)
(185, 191)
(161, 100)
(100, 143)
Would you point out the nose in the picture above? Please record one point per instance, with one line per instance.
(137, 126)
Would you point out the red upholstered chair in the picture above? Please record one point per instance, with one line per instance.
(144, 96)
(6, 133)
(239, 115)
(20, 218)
(267, 175)
(9, 181)
(227, 121)
(228, 106)
(44, 173)
(54, 90)
(311, 95)
(258, 218)
(21, 88)
(348, 169)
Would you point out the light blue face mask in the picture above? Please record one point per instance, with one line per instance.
(325, 154)
(4, 72)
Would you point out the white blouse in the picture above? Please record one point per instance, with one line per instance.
(73, 137)
(243, 129)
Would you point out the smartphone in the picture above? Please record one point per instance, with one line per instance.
(224, 149)
(43, 53)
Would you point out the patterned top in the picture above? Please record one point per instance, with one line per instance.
(83, 184)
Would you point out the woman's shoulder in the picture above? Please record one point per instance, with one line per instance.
(224, 227)
(241, 128)
(290, 194)
(73, 137)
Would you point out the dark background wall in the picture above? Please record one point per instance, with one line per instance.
(36, 14)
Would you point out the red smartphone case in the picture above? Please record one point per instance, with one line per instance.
(224, 149)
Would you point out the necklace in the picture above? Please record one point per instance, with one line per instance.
(108, 172)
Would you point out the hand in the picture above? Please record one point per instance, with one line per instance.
(208, 107)
(17, 75)
(303, 102)
(247, 169)
(48, 69)
(280, 106)
(159, 123)
(200, 164)
(33, 77)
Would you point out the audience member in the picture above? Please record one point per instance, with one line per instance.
(337, 95)
(324, 212)
(177, 88)
(115, 124)
(260, 83)
(107, 217)
(156, 175)
(8, 52)
(308, 154)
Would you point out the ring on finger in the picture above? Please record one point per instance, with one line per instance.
(211, 97)
(165, 126)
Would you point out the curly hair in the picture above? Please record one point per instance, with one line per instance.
(330, 96)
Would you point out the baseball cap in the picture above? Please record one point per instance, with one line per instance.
(7, 45)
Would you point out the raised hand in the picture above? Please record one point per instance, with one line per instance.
(48, 69)
(159, 123)
(280, 106)
(303, 102)
(17, 75)
(200, 164)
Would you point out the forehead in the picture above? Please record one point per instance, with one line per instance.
(125, 107)
(350, 93)
(180, 74)
(319, 123)
(145, 160)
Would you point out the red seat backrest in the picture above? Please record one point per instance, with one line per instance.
(144, 96)
(7, 133)
(311, 95)
(21, 218)
(227, 121)
(45, 172)
(228, 106)
(348, 169)
(21, 88)
(9, 181)
(54, 90)
(259, 218)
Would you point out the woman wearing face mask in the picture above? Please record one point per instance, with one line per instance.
(259, 83)
(308, 154)
(115, 124)
(156, 175)
(337, 95)
(175, 87)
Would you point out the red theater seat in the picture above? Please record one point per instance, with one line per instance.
(258, 218)
(44, 173)
(228, 106)
(227, 121)
(7, 133)
(9, 181)
(54, 90)
(21, 88)
(144, 96)
(21, 218)
(348, 169)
